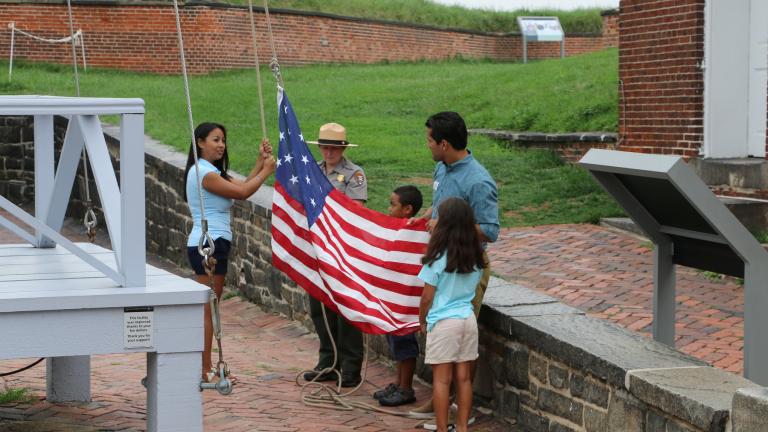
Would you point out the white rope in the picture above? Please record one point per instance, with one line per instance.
(10, 58)
(206, 252)
(78, 37)
(74, 60)
(314, 393)
(258, 68)
(89, 219)
(274, 65)
(81, 40)
(203, 222)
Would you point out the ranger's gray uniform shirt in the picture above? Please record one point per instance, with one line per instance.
(348, 178)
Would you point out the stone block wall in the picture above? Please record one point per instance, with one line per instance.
(552, 368)
(543, 364)
(569, 147)
(16, 134)
(141, 36)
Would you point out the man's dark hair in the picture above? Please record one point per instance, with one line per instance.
(449, 126)
(409, 195)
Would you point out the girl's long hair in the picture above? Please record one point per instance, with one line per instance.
(201, 133)
(456, 236)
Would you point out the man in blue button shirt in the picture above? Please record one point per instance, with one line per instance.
(458, 174)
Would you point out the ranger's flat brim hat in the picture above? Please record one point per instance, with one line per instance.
(332, 134)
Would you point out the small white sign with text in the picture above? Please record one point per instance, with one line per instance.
(138, 327)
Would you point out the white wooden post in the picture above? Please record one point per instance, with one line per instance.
(44, 167)
(132, 253)
(68, 379)
(174, 400)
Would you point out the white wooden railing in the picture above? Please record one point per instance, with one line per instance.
(123, 204)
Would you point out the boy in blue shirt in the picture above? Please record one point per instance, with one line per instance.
(404, 202)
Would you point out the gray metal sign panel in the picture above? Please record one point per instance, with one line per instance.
(664, 196)
(540, 29)
(689, 226)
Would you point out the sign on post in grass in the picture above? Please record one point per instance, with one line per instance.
(540, 29)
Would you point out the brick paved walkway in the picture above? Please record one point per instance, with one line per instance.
(265, 351)
(608, 274)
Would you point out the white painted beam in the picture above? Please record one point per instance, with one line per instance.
(44, 168)
(131, 251)
(58, 105)
(103, 176)
(65, 176)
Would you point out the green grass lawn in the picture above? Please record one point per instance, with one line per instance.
(384, 108)
(429, 13)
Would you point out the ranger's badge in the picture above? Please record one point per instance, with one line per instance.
(359, 178)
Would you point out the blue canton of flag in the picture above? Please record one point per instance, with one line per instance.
(297, 170)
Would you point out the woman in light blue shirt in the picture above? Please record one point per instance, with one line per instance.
(219, 189)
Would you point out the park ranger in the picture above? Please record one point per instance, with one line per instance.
(349, 179)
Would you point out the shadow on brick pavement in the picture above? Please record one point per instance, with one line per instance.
(264, 351)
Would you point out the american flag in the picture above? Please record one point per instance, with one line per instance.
(358, 262)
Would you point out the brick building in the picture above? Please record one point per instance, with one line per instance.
(693, 82)
(141, 36)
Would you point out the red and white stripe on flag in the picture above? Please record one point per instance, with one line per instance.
(358, 262)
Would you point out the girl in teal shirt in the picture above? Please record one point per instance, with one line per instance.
(452, 268)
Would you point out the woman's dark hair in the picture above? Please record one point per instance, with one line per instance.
(409, 195)
(201, 133)
(456, 236)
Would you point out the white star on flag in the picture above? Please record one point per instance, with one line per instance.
(282, 136)
(288, 158)
(304, 159)
(278, 163)
(301, 137)
(294, 179)
(312, 201)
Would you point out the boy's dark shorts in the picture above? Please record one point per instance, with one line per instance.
(403, 347)
(221, 253)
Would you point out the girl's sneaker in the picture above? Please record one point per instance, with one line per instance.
(432, 425)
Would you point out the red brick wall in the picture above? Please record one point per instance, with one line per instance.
(142, 37)
(611, 28)
(661, 44)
